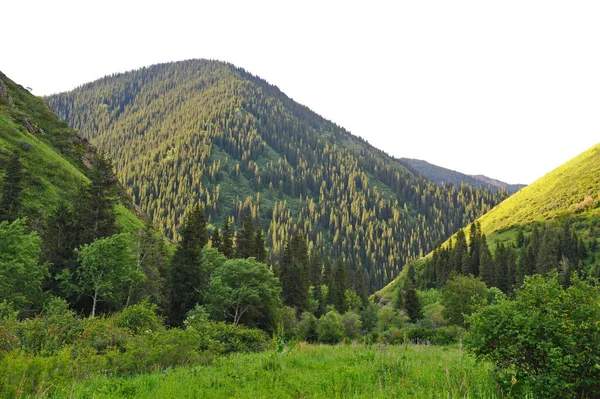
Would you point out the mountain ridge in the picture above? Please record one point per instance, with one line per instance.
(201, 131)
(441, 175)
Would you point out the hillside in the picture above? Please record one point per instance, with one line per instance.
(442, 175)
(570, 192)
(57, 162)
(208, 132)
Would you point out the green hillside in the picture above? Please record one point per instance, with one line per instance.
(55, 159)
(208, 132)
(569, 193)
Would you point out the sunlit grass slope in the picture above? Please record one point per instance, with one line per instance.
(572, 189)
(53, 155)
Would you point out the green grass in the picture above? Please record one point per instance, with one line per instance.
(307, 371)
(557, 193)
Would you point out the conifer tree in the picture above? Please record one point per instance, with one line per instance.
(226, 247)
(215, 238)
(486, 263)
(360, 287)
(245, 241)
(188, 278)
(10, 201)
(294, 274)
(336, 295)
(412, 305)
(260, 252)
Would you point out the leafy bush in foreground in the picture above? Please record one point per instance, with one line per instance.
(547, 339)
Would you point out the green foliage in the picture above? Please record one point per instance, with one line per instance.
(352, 325)
(189, 277)
(139, 318)
(338, 284)
(239, 146)
(546, 339)
(330, 328)
(294, 274)
(306, 328)
(244, 291)
(107, 271)
(21, 273)
(461, 296)
(11, 187)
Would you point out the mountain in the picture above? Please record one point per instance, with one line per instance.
(56, 161)
(201, 131)
(442, 175)
(567, 199)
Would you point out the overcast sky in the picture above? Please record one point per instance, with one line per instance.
(509, 89)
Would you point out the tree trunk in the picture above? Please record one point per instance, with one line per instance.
(95, 301)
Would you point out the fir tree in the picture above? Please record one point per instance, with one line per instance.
(226, 245)
(294, 274)
(336, 295)
(260, 252)
(245, 242)
(188, 278)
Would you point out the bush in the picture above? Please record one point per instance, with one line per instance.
(139, 318)
(352, 325)
(546, 340)
(306, 328)
(330, 328)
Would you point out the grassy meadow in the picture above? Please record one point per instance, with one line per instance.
(309, 371)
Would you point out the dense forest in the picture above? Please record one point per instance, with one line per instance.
(205, 132)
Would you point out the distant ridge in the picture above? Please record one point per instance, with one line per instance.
(441, 175)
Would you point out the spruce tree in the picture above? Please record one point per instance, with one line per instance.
(11, 201)
(294, 274)
(336, 295)
(215, 239)
(260, 251)
(245, 241)
(226, 247)
(188, 278)
(486, 263)
(360, 287)
(412, 305)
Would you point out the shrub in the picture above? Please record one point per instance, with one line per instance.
(547, 338)
(330, 328)
(352, 325)
(139, 318)
(306, 328)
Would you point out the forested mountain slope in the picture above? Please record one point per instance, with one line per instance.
(442, 175)
(552, 223)
(208, 132)
(55, 161)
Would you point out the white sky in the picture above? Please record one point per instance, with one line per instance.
(510, 89)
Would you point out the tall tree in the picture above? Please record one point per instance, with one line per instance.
(11, 185)
(260, 251)
(188, 277)
(338, 285)
(226, 247)
(245, 244)
(294, 274)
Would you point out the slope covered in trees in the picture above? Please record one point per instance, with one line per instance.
(442, 175)
(550, 224)
(206, 132)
